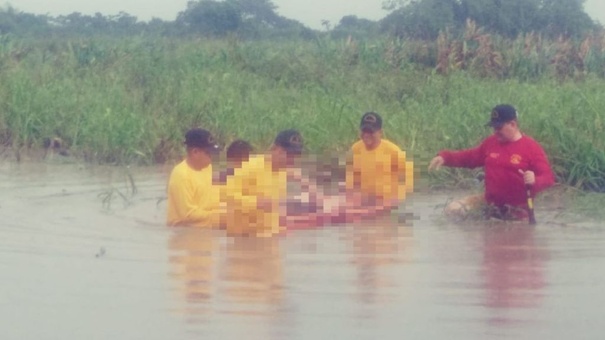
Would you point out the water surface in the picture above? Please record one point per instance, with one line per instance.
(84, 256)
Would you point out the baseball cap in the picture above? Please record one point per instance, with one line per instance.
(501, 114)
(290, 140)
(370, 122)
(200, 138)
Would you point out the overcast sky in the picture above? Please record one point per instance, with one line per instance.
(309, 12)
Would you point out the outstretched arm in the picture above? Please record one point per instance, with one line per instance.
(468, 158)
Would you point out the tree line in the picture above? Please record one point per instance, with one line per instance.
(417, 19)
(426, 18)
(212, 18)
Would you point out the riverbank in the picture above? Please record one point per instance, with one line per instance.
(560, 205)
(129, 101)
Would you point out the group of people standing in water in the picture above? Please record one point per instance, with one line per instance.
(253, 195)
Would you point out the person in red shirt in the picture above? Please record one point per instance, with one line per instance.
(511, 160)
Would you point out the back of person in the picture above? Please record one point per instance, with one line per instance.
(254, 180)
(238, 152)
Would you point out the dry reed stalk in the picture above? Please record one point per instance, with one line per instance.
(566, 62)
(393, 55)
(443, 54)
(487, 61)
(351, 52)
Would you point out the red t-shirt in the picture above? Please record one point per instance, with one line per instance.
(502, 161)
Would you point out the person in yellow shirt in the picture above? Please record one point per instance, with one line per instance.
(238, 152)
(192, 198)
(255, 194)
(379, 175)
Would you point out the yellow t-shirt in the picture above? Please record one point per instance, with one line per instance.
(254, 180)
(383, 172)
(192, 198)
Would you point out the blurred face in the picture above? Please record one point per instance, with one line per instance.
(507, 132)
(371, 139)
(279, 157)
(198, 157)
(235, 162)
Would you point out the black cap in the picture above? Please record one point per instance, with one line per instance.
(200, 138)
(370, 122)
(290, 140)
(501, 114)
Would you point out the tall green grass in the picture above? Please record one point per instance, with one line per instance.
(131, 100)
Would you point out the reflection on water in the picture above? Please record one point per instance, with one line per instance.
(191, 259)
(376, 247)
(218, 276)
(252, 271)
(513, 269)
(375, 279)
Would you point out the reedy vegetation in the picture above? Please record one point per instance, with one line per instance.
(129, 100)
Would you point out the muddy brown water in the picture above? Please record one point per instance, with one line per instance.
(83, 257)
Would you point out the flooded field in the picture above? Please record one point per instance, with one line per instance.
(84, 254)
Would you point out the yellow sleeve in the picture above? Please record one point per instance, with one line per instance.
(238, 186)
(405, 169)
(183, 207)
(352, 176)
(409, 176)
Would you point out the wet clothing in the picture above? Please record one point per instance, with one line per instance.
(254, 180)
(476, 204)
(192, 198)
(502, 161)
(379, 173)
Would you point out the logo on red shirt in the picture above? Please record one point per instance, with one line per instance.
(494, 155)
(515, 159)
